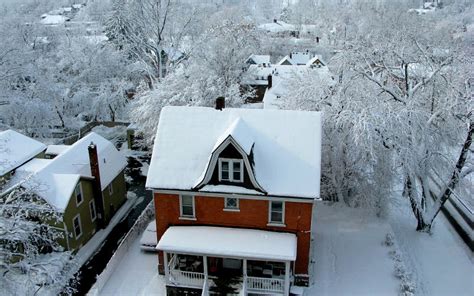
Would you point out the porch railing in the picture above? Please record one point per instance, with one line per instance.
(187, 278)
(265, 284)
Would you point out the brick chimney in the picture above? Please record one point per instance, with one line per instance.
(95, 172)
(220, 103)
(270, 81)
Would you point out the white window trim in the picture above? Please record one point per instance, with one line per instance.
(186, 217)
(78, 216)
(82, 194)
(92, 204)
(231, 169)
(276, 223)
(111, 189)
(236, 209)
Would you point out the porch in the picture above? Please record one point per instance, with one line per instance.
(253, 262)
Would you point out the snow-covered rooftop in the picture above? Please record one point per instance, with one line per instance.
(49, 19)
(54, 180)
(259, 59)
(56, 149)
(286, 148)
(233, 242)
(284, 79)
(16, 149)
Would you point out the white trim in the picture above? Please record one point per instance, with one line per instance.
(236, 209)
(276, 223)
(82, 193)
(92, 203)
(238, 195)
(78, 216)
(181, 215)
(213, 161)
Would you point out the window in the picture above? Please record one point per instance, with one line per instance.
(78, 193)
(186, 206)
(231, 203)
(111, 189)
(92, 210)
(277, 212)
(76, 222)
(231, 170)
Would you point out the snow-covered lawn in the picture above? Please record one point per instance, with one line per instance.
(349, 255)
(137, 274)
(441, 263)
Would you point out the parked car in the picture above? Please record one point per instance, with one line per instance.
(149, 241)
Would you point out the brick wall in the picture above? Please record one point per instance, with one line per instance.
(253, 214)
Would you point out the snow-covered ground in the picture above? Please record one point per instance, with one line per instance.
(137, 274)
(441, 263)
(349, 255)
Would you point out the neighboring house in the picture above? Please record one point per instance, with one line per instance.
(286, 79)
(84, 182)
(258, 76)
(256, 59)
(282, 29)
(234, 191)
(15, 150)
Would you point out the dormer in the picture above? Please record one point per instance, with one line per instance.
(231, 160)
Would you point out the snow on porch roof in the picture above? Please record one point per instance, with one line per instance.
(229, 242)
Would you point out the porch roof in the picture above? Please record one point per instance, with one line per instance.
(229, 242)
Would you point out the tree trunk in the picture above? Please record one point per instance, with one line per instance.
(415, 207)
(455, 177)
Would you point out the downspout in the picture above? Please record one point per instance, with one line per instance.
(67, 236)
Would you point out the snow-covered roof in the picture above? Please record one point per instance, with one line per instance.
(259, 59)
(16, 149)
(257, 74)
(277, 27)
(286, 147)
(229, 242)
(56, 179)
(49, 19)
(297, 58)
(285, 76)
(56, 149)
(315, 59)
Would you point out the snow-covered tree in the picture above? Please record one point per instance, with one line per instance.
(32, 262)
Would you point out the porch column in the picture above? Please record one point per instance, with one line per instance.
(287, 278)
(165, 262)
(244, 286)
(204, 259)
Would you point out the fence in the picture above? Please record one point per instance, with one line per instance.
(137, 228)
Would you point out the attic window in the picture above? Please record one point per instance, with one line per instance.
(231, 170)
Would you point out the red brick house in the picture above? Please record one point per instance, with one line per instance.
(234, 191)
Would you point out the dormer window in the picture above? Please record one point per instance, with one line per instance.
(231, 170)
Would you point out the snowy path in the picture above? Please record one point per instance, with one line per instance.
(137, 274)
(349, 255)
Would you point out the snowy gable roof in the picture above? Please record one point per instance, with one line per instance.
(16, 149)
(286, 147)
(258, 59)
(55, 181)
(296, 58)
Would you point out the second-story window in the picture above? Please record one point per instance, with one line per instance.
(78, 193)
(231, 170)
(187, 206)
(276, 213)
